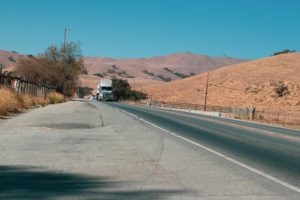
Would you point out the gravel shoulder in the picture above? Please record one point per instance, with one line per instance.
(88, 150)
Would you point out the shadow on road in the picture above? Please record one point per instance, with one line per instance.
(22, 182)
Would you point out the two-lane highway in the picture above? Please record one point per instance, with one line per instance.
(270, 151)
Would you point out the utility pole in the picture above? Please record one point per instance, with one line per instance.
(65, 84)
(206, 91)
(65, 39)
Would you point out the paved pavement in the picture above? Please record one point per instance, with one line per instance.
(81, 150)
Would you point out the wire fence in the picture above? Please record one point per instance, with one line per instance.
(21, 86)
(287, 119)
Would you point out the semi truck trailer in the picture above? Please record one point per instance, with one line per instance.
(104, 90)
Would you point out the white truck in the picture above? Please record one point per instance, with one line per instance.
(104, 90)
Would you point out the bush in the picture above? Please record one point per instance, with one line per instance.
(111, 71)
(84, 91)
(84, 71)
(26, 101)
(148, 73)
(137, 95)
(30, 56)
(281, 89)
(122, 91)
(114, 67)
(99, 75)
(8, 101)
(283, 52)
(55, 97)
(166, 79)
(40, 101)
(11, 59)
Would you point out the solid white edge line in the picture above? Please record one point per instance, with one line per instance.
(263, 174)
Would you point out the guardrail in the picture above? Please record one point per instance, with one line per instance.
(287, 119)
(24, 87)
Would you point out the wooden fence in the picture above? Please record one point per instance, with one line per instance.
(24, 87)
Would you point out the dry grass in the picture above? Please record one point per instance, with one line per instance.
(26, 101)
(249, 84)
(41, 101)
(55, 97)
(9, 101)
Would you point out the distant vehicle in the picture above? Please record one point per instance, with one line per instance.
(104, 90)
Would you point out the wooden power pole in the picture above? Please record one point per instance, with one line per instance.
(65, 39)
(206, 91)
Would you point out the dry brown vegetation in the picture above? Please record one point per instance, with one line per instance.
(55, 97)
(271, 83)
(11, 103)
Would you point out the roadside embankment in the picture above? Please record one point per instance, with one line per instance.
(10, 102)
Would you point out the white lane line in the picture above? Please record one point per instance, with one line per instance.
(263, 174)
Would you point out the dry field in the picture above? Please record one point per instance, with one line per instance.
(11, 103)
(242, 85)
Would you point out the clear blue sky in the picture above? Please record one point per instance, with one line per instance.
(144, 28)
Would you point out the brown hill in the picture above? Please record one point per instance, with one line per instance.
(141, 71)
(8, 59)
(157, 69)
(247, 84)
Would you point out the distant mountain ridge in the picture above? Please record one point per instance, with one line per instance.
(157, 69)
(140, 71)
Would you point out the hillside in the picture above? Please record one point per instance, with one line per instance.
(145, 71)
(140, 71)
(247, 84)
(8, 59)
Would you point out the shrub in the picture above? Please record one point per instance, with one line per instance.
(122, 91)
(40, 101)
(148, 73)
(11, 59)
(26, 101)
(30, 56)
(166, 79)
(114, 67)
(99, 75)
(281, 89)
(84, 91)
(111, 71)
(55, 97)
(8, 101)
(137, 95)
(168, 70)
(283, 52)
(84, 71)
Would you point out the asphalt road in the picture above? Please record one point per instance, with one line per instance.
(271, 150)
(92, 150)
